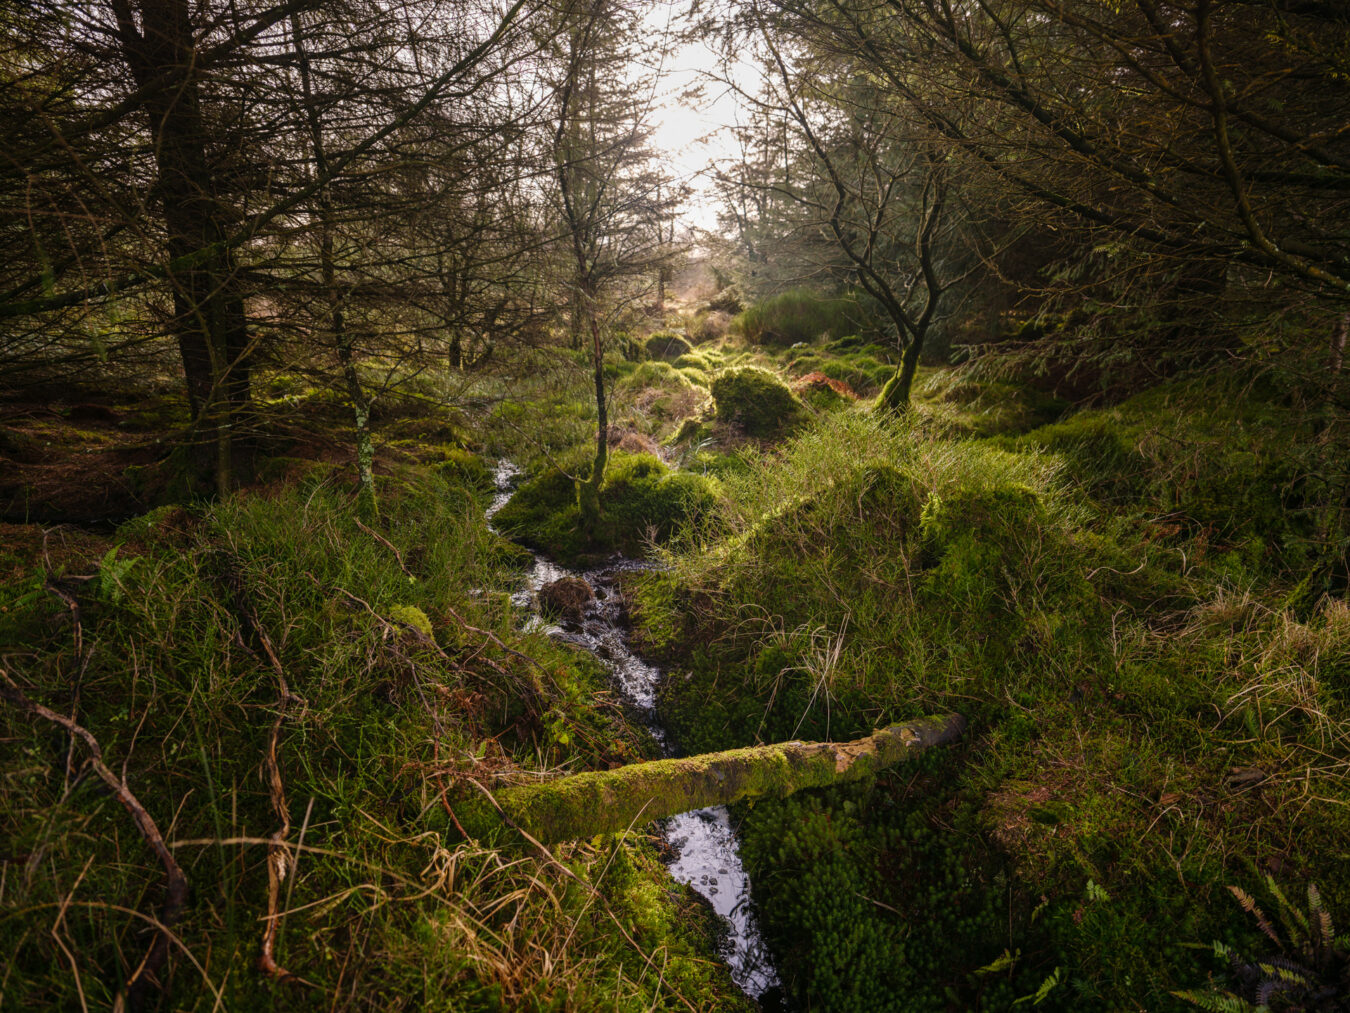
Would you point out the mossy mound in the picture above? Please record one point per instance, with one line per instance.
(863, 373)
(694, 360)
(654, 374)
(987, 407)
(755, 400)
(668, 345)
(642, 502)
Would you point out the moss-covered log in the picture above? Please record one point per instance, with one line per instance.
(598, 802)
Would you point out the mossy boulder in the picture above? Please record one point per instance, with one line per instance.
(642, 501)
(756, 400)
(565, 598)
(668, 345)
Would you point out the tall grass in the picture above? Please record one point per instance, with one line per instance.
(170, 669)
(801, 315)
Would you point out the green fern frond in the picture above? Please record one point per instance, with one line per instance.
(1324, 938)
(1295, 921)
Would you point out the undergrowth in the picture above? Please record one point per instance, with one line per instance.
(1151, 719)
(273, 684)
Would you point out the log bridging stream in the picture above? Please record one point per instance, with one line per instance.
(608, 801)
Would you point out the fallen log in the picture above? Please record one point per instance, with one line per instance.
(607, 801)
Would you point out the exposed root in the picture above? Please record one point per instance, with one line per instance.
(176, 887)
(279, 864)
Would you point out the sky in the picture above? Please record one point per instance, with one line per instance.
(691, 130)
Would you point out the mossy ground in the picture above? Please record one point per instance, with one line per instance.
(1132, 604)
(642, 503)
(1117, 600)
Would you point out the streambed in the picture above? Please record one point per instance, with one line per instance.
(703, 842)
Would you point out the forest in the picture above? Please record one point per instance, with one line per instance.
(798, 506)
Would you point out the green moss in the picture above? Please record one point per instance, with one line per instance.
(668, 345)
(756, 400)
(642, 501)
(694, 361)
(411, 615)
(655, 374)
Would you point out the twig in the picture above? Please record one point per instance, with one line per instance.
(278, 855)
(177, 885)
(387, 544)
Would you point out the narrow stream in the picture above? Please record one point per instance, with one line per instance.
(703, 842)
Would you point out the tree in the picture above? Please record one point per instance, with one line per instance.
(610, 193)
(164, 187)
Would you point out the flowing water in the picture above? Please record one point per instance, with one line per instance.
(703, 842)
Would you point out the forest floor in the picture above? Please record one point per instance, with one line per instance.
(1124, 601)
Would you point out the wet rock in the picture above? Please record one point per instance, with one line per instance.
(565, 598)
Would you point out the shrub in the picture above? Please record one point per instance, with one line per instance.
(756, 400)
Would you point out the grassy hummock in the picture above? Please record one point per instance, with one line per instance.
(1119, 601)
(756, 401)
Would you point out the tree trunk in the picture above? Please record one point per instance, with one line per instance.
(209, 320)
(894, 397)
(609, 801)
(588, 492)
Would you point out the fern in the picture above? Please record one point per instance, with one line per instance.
(1311, 971)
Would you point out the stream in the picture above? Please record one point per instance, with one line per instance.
(702, 842)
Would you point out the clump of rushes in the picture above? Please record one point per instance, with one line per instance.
(1142, 724)
(800, 315)
(274, 634)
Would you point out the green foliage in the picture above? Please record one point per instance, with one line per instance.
(175, 685)
(756, 400)
(466, 468)
(799, 315)
(641, 502)
(1115, 679)
(668, 345)
(1309, 971)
